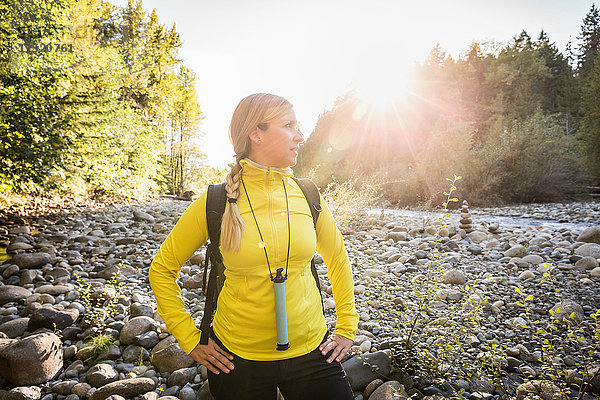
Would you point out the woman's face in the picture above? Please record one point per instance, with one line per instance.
(277, 146)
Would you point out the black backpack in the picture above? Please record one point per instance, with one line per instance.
(216, 198)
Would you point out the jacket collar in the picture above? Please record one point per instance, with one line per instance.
(253, 169)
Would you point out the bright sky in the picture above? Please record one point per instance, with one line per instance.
(312, 51)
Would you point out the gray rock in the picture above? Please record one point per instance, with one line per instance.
(64, 388)
(134, 353)
(81, 389)
(565, 309)
(541, 390)
(31, 260)
(27, 277)
(197, 259)
(24, 393)
(15, 327)
(371, 387)
(20, 230)
(10, 271)
(53, 290)
(59, 273)
(147, 340)
(142, 216)
(397, 236)
(455, 277)
(126, 388)
(136, 327)
(587, 263)
(187, 393)
(170, 393)
(150, 396)
(526, 275)
(589, 250)
(181, 376)
(516, 251)
(533, 259)
(170, 358)
(477, 236)
(590, 235)
(362, 369)
(390, 390)
(18, 246)
(115, 397)
(101, 374)
(140, 310)
(482, 385)
(195, 282)
(52, 318)
(10, 293)
(31, 361)
(110, 353)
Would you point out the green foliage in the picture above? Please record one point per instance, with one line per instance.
(99, 343)
(590, 124)
(436, 342)
(347, 200)
(34, 80)
(561, 332)
(95, 100)
(528, 161)
(97, 310)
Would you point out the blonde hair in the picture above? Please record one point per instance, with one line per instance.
(254, 110)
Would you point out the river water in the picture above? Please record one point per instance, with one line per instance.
(480, 217)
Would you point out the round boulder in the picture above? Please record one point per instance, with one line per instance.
(31, 260)
(590, 235)
(567, 309)
(126, 388)
(171, 358)
(454, 277)
(588, 250)
(135, 327)
(101, 374)
(33, 360)
(587, 263)
(10, 293)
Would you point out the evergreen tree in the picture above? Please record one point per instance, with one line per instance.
(557, 88)
(590, 124)
(589, 42)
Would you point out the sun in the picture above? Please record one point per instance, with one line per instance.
(383, 85)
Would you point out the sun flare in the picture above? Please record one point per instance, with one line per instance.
(383, 86)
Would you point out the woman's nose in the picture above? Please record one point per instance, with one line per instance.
(298, 137)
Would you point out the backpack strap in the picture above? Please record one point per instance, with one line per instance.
(311, 192)
(216, 197)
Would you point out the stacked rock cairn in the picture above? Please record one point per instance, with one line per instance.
(466, 222)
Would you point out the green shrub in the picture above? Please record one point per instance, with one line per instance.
(347, 200)
(99, 343)
(532, 161)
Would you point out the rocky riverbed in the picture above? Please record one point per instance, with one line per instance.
(57, 293)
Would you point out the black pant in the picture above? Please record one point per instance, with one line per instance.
(299, 378)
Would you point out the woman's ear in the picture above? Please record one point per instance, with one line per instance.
(255, 137)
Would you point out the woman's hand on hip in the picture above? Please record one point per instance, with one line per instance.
(340, 346)
(213, 357)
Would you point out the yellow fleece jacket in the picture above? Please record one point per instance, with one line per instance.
(245, 316)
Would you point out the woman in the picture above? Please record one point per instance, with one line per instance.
(267, 225)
